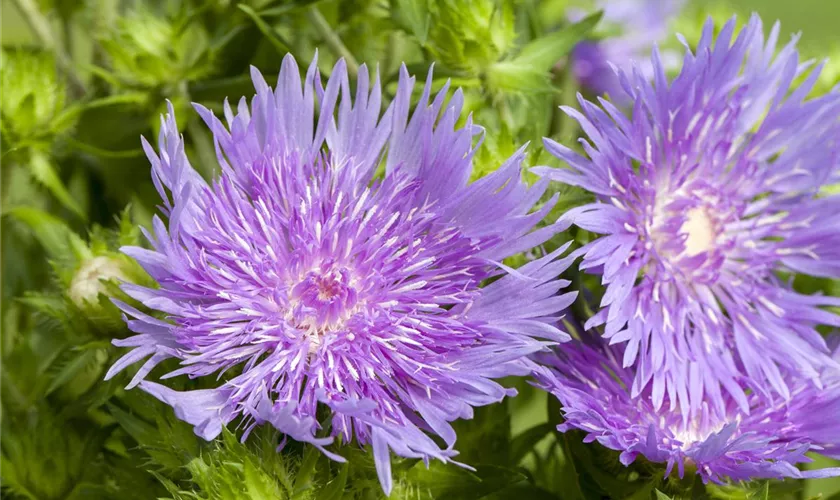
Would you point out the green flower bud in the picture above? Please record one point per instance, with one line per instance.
(147, 50)
(32, 100)
(464, 35)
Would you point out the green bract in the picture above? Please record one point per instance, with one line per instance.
(32, 100)
(149, 50)
(463, 35)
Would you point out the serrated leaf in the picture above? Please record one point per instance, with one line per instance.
(10, 480)
(167, 483)
(52, 306)
(68, 369)
(528, 72)
(544, 52)
(762, 492)
(334, 490)
(258, 485)
(57, 239)
(142, 431)
(303, 481)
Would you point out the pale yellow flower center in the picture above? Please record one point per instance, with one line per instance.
(700, 231)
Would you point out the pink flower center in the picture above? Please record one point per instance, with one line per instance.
(323, 300)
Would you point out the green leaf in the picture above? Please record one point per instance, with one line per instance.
(59, 241)
(258, 484)
(512, 76)
(525, 442)
(486, 437)
(646, 492)
(529, 71)
(599, 467)
(269, 32)
(762, 492)
(414, 16)
(443, 481)
(662, 496)
(572, 484)
(67, 369)
(142, 431)
(42, 170)
(334, 490)
(303, 481)
(543, 53)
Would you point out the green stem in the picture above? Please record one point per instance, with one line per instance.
(332, 39)
(41, 28)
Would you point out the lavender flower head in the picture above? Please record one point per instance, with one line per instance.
(640, 24)
(766, 441)
(337, 261)
(707, 198)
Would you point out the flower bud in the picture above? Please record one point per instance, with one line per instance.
(91, 280)
(464, 35)
(33, 97)
(148, 50)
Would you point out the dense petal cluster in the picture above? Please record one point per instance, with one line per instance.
(767, 441)
(640, 25)
(707, 198)
(337, 261)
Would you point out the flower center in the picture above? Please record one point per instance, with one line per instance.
(700, 231)
(686, 229)
(698, 430)
(323, 300)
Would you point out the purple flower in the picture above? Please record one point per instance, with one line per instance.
(640, 25)
(708, 200)
(765, 441)
(338, 260)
